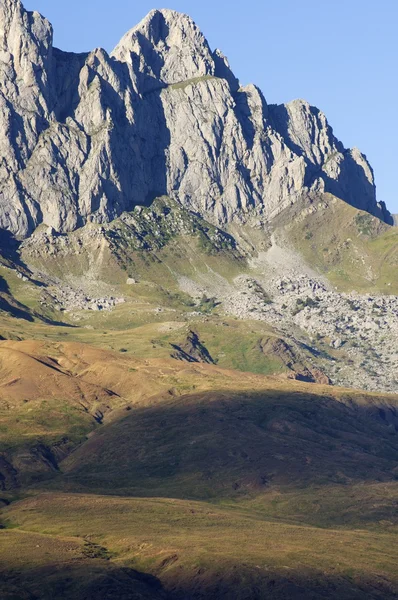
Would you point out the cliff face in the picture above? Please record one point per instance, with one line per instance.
(84, 137)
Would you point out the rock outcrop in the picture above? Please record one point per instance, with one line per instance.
(84, 137)
(192, 350)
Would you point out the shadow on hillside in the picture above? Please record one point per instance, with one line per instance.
(231, 582)
(218, 444)
(85, 582)
(9, 251)
(12, 307)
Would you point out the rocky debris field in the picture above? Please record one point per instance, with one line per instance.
(354, 337)
(58, 295)
(66, 298)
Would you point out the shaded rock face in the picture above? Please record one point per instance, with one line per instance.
(84, 137)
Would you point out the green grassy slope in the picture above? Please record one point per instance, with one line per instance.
(353, 249)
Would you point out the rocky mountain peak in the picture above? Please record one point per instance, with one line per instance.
(26, 53)
(20, 30)
(166, 46)
(84, 137)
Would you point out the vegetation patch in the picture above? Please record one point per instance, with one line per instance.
(182, 85)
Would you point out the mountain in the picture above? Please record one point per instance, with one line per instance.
(85, 137)
(198, 332)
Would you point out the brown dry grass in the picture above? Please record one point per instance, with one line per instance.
(295, 482)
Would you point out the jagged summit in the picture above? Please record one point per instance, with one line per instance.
(167, 46)
(162, 26)
(84, 137)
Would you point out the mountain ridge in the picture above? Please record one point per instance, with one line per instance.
(88, 136)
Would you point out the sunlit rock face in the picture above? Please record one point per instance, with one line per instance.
(84, 137)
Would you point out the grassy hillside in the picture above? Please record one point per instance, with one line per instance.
(195, 550)
(226, 444)
(159, 450)
(155, 244)
(352, 248)
(54, 394)
(190, 481)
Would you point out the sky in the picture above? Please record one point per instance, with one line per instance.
(340, 55)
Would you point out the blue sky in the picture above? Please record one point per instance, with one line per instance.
(340, 55)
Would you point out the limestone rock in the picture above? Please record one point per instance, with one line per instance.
(166, 47)
(85, 137)
(223, 70)
(25, 90)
